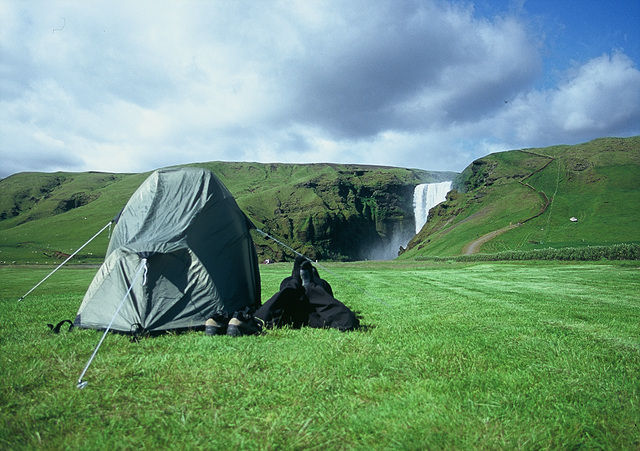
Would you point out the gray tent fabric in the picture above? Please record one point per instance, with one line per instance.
(201, 259)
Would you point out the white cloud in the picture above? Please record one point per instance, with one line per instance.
(604, 93)
(131, 86)
(600, 97)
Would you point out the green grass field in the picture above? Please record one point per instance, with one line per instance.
(519, 355)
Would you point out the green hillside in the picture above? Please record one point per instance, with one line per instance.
(525, 199)
(515, 200)
(324, 210)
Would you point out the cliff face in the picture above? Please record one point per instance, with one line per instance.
(325, 211)
(361, 219)
(339, 212)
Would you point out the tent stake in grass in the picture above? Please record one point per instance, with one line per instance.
(62, 264)
(143, 265)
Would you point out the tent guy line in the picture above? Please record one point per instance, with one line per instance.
(64, 262)
(143, 266)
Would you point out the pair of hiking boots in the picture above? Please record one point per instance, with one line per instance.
(242, 323)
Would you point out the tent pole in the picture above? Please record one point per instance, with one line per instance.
(143, 265)
(68, 258)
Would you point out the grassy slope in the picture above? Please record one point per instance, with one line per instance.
(602, 190)
(597, 182)
(33, 219)
(459, 356)
(40, 230)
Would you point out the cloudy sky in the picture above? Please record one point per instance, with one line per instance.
(130, 86)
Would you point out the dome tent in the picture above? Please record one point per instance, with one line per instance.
(194, 242)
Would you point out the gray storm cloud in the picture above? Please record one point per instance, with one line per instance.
(132, 86)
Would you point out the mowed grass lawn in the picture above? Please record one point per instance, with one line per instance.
(524, 355)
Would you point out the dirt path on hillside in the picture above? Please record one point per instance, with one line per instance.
(474, 246)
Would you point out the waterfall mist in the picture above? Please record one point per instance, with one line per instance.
(425, 197)
(388, 249)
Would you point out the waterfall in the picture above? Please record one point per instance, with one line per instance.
(425, 197)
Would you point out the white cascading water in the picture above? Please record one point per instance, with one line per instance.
(425, 197)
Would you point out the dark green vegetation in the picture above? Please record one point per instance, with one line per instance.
(586, 253)
(521, 200)
(324, 210)
(524, 200)
(523, 355)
